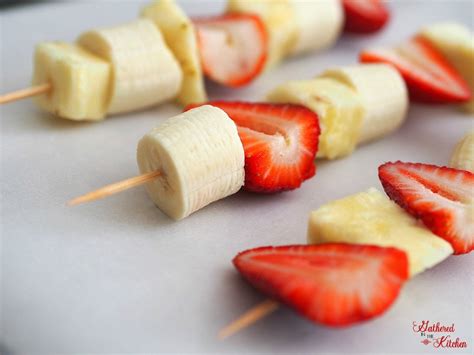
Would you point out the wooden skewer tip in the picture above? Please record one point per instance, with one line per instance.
(115, 188)
(248, 318)
(25, 93)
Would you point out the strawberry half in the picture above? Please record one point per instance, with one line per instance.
(428, 75)
(443, 198)
(365, 16)
(233, 47)
(280, 143)
(333, 284)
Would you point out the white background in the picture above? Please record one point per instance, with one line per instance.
(119, 276)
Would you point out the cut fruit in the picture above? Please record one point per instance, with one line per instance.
(428, 75)
(145, 72)
(365, 16)
(463, 155)
(338, 107)
(383, 95)
(441, 197)
(180, 36)
(371, 218)
(456, 42)
(318, 24)
(233, 48)
(332, 284)
(280, 143)
(200, 157)
(81, 81)
(279, 19)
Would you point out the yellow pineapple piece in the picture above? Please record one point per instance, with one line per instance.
(339, 108)
(371, 218)
(81, 81)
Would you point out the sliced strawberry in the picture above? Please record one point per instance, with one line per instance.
(233, 47)
(428, 75)
(443, 198)
(365, 16)
(280, 143)
(333, 284)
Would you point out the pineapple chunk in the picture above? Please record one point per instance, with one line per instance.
(81, 81)
(456, 43)
(280, 22)
(371, 218)
(180, 36)
(339, 109)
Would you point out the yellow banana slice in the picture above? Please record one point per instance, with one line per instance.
(180, 36)
(145, 72)
(201, 159)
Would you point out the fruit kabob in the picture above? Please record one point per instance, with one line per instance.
(351, 105)
(163, 55)
(363, 248)
(211, 151)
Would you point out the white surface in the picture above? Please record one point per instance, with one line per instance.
(119, 276)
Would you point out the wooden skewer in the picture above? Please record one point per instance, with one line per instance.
(248, 318)
(24, 93)
(114, 188)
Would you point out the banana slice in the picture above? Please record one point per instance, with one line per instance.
(383, 94)
(339, 108)
(180, 36)
(201, 158)
(456, 42)
(81, 81)
(144, 69)
(279, 19)
(371, 218)
(318, 24)
(463, 155)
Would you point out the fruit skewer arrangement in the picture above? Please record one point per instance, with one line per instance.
(270, 146)
(162, 56)
(364, 247)
(350, 105)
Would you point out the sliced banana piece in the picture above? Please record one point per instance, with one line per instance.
(144, 70)
(371, 218)
(339, 109)
(81, 81)
(318, 24)
(456, 42)
(383, 94)
(463, 155)
(201, 159)
(180, 36)
(279, 19)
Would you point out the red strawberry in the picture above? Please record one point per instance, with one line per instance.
(332, 284)
(280, 143)
(443, 198)
(428, 75)
(365, 16)
(233, 47)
